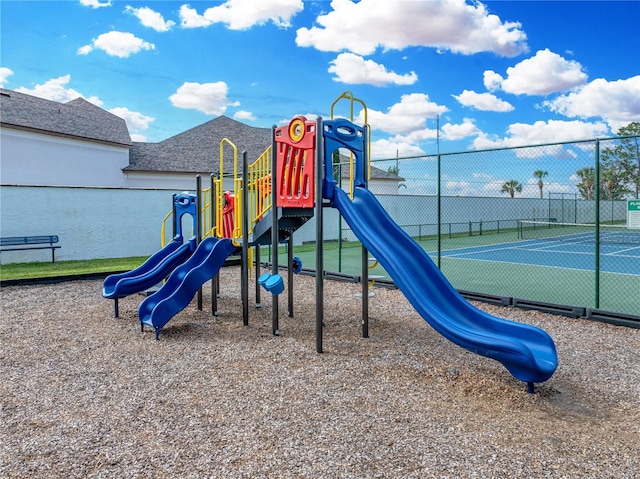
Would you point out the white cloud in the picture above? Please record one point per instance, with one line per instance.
(244, 115)
(418, 136)
(541, 132)
(389, 148)
(544, 73)
(453, 25)
(118, 44)
(189, 18)
(134, 120)
(617, 102)
(55, 90)
(553, 131)
(353, 69)
(95, 3)
(85, 50)
(243, 14)
(492, 80)
(405, 117)
(150, 18)
(486, 185)
(5, 73)
(138, 137)
(463, 130)
(483, 101)
(458, 188)
(209, 98)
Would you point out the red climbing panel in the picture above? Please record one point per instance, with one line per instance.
(227, 215)
(295, 150)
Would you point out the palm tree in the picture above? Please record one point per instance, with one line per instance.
(511, 187)
(587, 182)
(608, 180)
(611, 185)
(540, 174)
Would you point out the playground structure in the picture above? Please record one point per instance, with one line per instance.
(270, 199)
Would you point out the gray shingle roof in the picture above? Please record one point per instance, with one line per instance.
(198, 150)
(77, 118)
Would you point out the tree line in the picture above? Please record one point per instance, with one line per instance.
(619, 170)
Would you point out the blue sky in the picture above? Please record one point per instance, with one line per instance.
(497, 73)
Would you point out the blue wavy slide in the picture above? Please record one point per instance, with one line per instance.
(527, 352)
(157, 267)
(183, 283)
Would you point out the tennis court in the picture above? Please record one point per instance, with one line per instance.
(548, 263)
(554, 263)
(619, 251)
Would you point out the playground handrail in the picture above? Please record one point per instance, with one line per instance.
(259, 188)
(236, 233)
(163, 229)
(259, 185)
(349, 96)
(205, 213)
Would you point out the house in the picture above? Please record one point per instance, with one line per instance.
(46, 143)
(78, 144)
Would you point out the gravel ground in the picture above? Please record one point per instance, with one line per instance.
(85, 395)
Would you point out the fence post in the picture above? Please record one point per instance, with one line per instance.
(597, 221)
(439, 211)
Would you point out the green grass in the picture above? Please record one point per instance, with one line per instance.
(68, 268)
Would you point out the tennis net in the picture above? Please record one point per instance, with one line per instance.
(576, 232)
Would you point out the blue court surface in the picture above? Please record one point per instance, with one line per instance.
(568, 253)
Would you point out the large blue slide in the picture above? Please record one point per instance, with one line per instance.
(527, 352)
(183, 283)
(151, 272)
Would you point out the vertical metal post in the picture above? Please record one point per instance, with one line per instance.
(198, 226)
(439, 210)
(365, 252)
(339, 180)
(439, 193)
(275, 328)
(290, 275)
(215, 281)
(257, 257)
(244, 268)
(597, 221)
(319, 235)
(365, 292)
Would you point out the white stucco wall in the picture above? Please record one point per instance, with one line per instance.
(91, 222)
(28, 158)
(168, 181)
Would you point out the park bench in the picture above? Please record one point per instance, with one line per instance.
(23, 243)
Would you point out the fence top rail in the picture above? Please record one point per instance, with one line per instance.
(504, 148)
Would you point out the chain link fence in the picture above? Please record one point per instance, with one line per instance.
(549, 223)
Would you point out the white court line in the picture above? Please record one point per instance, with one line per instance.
(616, 253)
(544, 266)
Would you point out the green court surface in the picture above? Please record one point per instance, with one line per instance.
(500, 264)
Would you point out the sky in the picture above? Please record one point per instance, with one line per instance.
(490, 74)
